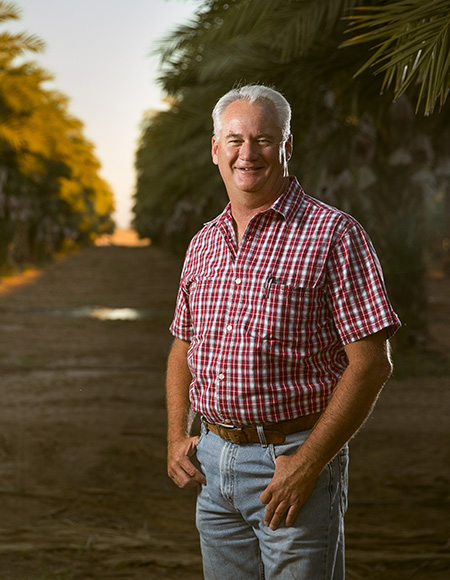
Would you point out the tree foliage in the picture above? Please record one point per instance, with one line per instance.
(51, 193)
(350, 143)
(411, 44)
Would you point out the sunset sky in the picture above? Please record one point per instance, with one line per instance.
(99, 52)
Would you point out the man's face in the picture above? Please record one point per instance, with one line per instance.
(250, 151)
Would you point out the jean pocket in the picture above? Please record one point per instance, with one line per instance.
(272, 454)
(343, 474)
(291, 445)
(203, 433)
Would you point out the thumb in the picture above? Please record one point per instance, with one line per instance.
(265, 497)
(192, 446)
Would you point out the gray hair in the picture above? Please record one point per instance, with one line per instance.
(254, 93)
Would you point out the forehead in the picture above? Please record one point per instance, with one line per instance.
(242, 117)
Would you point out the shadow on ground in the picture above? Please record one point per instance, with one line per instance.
(84, 491)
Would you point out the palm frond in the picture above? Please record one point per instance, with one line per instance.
(288, 28)
(16, 44)
(411, 45)
(9, 11)
(301, 22)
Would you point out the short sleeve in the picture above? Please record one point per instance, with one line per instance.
(181, 327)
(356, 288)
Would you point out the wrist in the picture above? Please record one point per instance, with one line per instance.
(309, 463)
(176, 437)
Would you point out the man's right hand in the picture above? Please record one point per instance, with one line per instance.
(180, 467)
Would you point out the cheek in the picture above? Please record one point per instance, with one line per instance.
(275, 159)
(226, 158)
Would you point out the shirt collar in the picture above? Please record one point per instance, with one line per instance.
(287, 205)
(290, 201)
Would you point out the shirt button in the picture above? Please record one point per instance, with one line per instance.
(227, 421)
(221, 377)
(238, 281)
(229, 328)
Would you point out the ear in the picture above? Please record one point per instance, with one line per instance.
(289, 147)
(214, 147)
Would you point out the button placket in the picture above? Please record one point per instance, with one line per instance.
(229, 326)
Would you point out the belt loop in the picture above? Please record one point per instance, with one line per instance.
(261, 435)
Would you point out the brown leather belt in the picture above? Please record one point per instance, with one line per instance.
(275, 433)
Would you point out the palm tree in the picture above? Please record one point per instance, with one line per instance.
(346, 133)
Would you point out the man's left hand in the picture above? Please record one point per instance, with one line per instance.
(286, 493)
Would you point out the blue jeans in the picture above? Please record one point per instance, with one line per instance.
(235, 543)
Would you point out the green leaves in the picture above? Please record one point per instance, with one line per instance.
(411, 45)
(295, 46)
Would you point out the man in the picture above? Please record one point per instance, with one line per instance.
(281, 330)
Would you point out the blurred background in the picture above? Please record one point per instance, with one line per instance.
(105, 121)
(105, 175)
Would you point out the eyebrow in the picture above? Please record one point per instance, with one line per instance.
(259, 136)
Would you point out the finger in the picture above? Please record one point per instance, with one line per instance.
(292, 515)
(185, 474)
(198, 476)
(274, 515)
(265, 497)
(179, 477)
(184, 480)
(193, 446)
(192, 472)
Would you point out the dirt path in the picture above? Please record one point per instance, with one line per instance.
(83, 489)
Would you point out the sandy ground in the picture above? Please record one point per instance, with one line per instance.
(83, 488)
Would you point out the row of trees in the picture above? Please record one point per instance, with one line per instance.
(51, 193)
(385, 162)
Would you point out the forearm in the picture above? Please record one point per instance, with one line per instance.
(295, 476)
(348, 409)
(177, 391)
(180, 446)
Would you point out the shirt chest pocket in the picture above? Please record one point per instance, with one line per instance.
(285, 313)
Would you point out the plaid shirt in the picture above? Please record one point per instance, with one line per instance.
(267, 322)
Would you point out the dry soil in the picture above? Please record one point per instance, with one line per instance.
(83, 487)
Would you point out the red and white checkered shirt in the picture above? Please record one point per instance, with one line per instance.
(267, 322)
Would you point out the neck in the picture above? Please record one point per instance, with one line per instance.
(244, 207)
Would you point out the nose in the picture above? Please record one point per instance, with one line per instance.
(248, 151)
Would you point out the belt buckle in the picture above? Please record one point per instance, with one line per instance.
(228, 426)
(235, 433)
